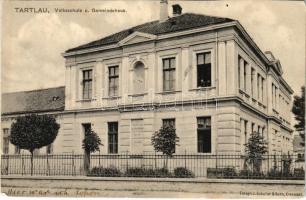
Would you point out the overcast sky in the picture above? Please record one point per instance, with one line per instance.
(32, 43)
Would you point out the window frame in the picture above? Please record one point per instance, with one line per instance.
(171, 123)
(170, 70)
(112, 147)
(85, 80)
(6, 141)
(111, 91)
(204, 65)
(204, 129)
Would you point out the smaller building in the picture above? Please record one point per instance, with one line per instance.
(43, 101)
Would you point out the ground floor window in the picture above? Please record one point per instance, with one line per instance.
(204, 134)
(6, 141)
(113, 137)
(169, 122)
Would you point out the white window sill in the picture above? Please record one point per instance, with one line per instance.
(111, 97)
(137, 95)
(169, 92)
(202, 88)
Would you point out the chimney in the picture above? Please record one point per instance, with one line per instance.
(177, 10)
(163, 12)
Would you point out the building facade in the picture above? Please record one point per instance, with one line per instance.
(202, 74)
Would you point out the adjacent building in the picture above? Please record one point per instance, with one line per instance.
(203, 74)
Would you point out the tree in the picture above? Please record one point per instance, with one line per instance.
(298, 110)
(165, 141)
(91, 143)
(32, 132)
(255, 149)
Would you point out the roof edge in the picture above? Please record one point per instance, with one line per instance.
(35, 90)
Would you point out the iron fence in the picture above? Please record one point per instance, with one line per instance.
(156, 165)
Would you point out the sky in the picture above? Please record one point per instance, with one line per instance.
(32, 43)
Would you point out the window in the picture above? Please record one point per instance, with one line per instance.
(244, 75)
(169, 122)
(253, 127)
(113, 80)
(86, 129)
(258, 88)
(204, 69)
(239, 71)
(273, 100)
(6, 141)
(49, 149)
(262, 88)
(275, 95)
(252, 81)
(87, 84)
(17, 150)
(113, 137)
(169, 74)
(204, 134)
(245, 131)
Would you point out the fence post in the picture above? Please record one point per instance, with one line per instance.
(99, 159)
(7, 164)
(185, 158)
(127, 161)
(155, 159)
(48, 173)
(72, 165)
(216, 161)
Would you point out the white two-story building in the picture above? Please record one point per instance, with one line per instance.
(203, 74)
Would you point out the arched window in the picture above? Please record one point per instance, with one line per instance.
(139, 78)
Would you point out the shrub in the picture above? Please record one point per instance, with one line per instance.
(162, 172)
(139, 172)
(182, 172)
(142, 172)
(105, 172)
(225, 172)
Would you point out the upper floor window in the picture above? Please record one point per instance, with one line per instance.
(258, 88)
(204, 69)
(252, 81)
(112, 137)
(113, 80)
(262, 88)
(245, 75)
(169, 74)
(204, 134)
(6, 141)
(87, 84)
(139, 78)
